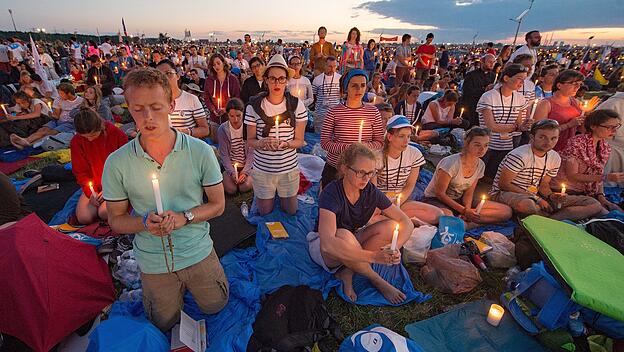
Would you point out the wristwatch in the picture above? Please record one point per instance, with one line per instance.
(189, 216)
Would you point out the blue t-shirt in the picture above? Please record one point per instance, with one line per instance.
(352, 216)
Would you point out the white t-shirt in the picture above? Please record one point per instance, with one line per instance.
(280, 161)
(505, 111)
(529, 168)
(302, 88)
(4, 53)
(187, 109)
(237, 144)
(76, 50)
(106, 48)
(199, 62)
(458, 184)
(66, 106)
(45, 110)
(327, 91)
(442, 113)
(398, 170)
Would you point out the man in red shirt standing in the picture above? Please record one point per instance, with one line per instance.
(426, 54)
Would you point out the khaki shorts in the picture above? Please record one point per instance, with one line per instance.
(266, 184)
(512, 199)
(163, 293)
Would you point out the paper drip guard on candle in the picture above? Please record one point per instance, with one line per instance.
(495, 314)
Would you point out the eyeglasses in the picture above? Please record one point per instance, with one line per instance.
(280, 80)
(612, 127)
(362, 173)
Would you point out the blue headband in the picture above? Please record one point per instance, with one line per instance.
(352, 73)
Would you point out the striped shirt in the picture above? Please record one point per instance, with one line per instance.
(327, 91)
(504, 114)
(528, 91)
(237, 145)
(187, 109)
(278, 161)
(398, 170)
(529, 168)
(342, 125)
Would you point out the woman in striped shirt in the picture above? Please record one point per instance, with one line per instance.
(188, 114)
(275, 166)
(399, 167)
(346, 122)
(501, 110)
(235, 154)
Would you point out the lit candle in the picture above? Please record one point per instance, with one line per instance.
(218, 103)
(4, 110)
(91, 188)
(495, 314)
(277, 136)
(480, 206)
(399, 200)
(116, 70)
(321, 49)
(95, 79)
(496, 77)
(416, 128)
(236, 171)
(157, 197)
(360, 133)
(461, 113)
(395, 237)
(50, 105)
(533, 109)
(374, 100)
(563, 189)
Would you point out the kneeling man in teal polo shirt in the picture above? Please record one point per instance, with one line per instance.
(174, 249)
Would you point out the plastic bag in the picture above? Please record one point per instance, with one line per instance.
(127, 270)
(416, 248)
(503, 253)
(448, 272)
(452, 231)
(459, 134)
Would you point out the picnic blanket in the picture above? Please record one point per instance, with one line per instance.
(8, 168)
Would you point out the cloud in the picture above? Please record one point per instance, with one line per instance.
(459, 20)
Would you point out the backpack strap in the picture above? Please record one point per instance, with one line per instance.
(269, 121)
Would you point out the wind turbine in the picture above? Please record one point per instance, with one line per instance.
(519, 21)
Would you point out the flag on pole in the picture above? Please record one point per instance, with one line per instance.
(123, 24)
(38, 66)
(119, 36)
(600, 78)
(388, 39)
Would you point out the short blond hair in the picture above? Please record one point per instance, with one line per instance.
(349, 155)
(147, 77)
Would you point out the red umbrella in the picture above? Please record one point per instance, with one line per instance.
(51, 285)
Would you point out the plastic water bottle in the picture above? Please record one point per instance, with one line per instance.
(244, 209)
(575, 325)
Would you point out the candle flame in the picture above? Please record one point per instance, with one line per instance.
(396, 227)
(235, 165)
(483, 197)
(154, 177)
(462, 110)
(361, 123)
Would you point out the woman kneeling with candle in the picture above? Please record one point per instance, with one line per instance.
(344, 243)
(455, 179)
(399, 167)
(235, 154)
(95, 140)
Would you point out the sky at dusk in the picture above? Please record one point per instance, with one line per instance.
(572, 21)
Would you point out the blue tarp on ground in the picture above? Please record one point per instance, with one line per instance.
(68, 210)
(464, 329)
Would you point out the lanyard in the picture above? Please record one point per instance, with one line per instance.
(503, 105)
(396, 184)
(331, 85)
(533, 169)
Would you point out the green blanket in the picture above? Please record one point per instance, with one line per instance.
(593, 269)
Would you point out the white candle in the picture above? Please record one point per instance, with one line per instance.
(399, 200)
(4, 110)
(416, 130)
(461, 113)
(495, 314)
(91, 188)
(95, 79)
(236, 171)
(360, 133)
(533, 109)
(395, 237)
(219, 104)
(496, 77)
(50, 105)
(277, 136)
(157, 197)
(480, 206)
(563, 192)
(321, 49)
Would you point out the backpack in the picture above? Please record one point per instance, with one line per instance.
(269, 121)
(292, 319)
(610, 231)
